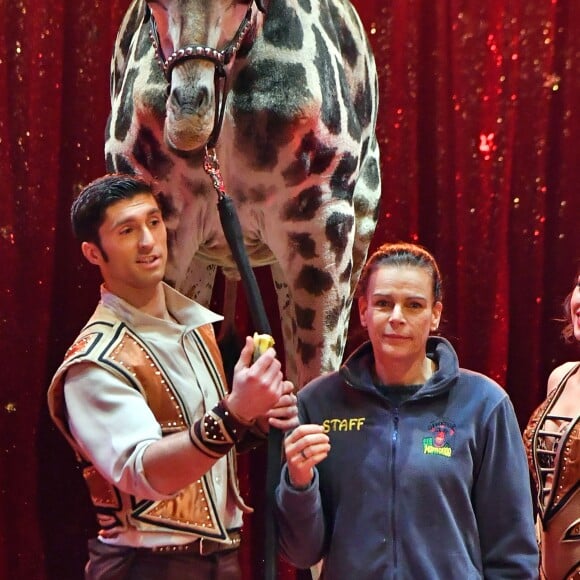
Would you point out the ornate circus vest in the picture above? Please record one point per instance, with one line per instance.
(112, 345)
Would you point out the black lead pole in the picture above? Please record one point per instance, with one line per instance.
(233, 233)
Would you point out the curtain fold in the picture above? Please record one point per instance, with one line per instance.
(479, 125)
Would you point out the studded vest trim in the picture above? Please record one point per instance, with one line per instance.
(112, 345)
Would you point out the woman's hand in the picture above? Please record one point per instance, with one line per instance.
(305, 447)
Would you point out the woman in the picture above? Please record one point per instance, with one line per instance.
(420, 467)
(552, 439)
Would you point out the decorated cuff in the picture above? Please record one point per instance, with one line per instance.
(217, 431)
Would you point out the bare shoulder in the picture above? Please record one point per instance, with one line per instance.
(558, 374)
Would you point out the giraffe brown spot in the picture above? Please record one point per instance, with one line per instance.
(307, 351)
(332, 317)
(330, 113)
(124, 115)
(338, 228)
(303, 244)
(313, 280)
(148, 151)
(305, 317)
(342, 182)
(313, 156)
(304, 206)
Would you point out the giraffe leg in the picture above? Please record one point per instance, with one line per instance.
(229, 341)
(288, 322)
(197, 282)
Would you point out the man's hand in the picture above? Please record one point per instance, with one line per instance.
(284, 415)
(258, 387)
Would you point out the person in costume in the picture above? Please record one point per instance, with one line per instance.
(405, 465)
(552, 439)
(142, 398)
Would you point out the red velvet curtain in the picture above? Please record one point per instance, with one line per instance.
(479, 127)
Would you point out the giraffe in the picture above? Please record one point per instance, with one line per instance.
(284, 93)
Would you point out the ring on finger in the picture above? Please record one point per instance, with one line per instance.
(303, 454)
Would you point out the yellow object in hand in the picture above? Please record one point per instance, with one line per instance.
(262, 342)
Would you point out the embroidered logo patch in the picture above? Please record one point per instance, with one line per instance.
(438, 443)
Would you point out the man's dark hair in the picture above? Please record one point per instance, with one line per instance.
(88, 209)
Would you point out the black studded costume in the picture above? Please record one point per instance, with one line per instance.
(553, 447)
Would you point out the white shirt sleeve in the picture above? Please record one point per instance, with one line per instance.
(112, 425)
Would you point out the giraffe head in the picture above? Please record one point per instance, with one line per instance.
(197, 42)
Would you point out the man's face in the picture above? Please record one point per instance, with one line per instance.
(133, 239)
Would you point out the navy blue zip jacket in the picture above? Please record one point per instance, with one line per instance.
(437, 488)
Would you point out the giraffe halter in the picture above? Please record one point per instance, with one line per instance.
(220, 59)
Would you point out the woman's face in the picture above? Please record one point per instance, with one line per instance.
(399, 312)
(575, 309)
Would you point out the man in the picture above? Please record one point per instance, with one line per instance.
(141, 397)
